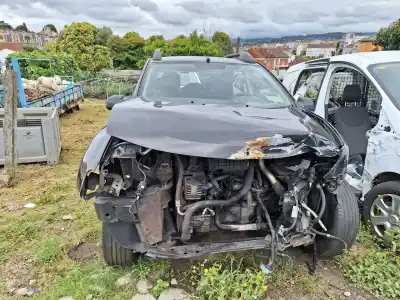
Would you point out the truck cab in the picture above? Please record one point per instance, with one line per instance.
(360, 95)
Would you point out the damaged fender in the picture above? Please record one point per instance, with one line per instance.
(91, 161)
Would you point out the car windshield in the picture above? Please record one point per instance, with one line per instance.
(387, 75)
(202, 82)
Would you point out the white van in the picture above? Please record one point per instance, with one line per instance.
(360, 95)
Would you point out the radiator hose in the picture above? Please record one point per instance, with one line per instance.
(191, 209)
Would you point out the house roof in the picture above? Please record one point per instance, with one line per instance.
(321, 46)
(11, 46)
(370, 39)
(295, 62)
(259, 52)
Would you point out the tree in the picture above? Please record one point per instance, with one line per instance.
(223, 41)
(53, 46)
(22, 27)
(127, 51)
(51, 27)
(152, 43)
(389, 37)
(61, 64)
(194, 45)
(78, 41)
(102, 35)
(4, 25)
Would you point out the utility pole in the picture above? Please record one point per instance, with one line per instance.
(238, 45)
(10, 128)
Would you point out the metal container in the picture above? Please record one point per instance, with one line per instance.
(38, 135)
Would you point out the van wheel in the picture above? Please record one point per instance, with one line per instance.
(114, 254)
(382, 208)
(342, 219)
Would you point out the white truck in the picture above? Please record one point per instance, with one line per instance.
(360, 95)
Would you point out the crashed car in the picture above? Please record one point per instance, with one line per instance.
(359, 94)
(213, 155)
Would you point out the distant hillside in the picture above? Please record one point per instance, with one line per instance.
(292, 38)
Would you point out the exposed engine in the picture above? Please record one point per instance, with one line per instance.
(179, 198)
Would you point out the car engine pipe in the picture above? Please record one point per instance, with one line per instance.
(239, 227)
(179, 183)
(323, 205)
(191, 209)
(275, 184)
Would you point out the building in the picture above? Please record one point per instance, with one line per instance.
(321, 50)
(272, 58)
(27, 39)
(368, 45)
(301, 48)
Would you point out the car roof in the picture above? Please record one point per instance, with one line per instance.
(213, 59)
(365, 59)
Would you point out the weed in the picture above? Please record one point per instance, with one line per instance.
(50, 251)
(97, 280)
(233, 281)
(393, 236)
(145, 268)
(373, 268)
(54, 194)
(159, 287)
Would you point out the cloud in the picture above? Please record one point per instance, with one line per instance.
(245, 18)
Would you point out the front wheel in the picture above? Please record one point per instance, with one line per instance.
(381, 208)
(342, 220)
(114, 254)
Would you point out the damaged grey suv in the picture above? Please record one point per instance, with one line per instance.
(212, 155)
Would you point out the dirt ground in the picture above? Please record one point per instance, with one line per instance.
(53, 250)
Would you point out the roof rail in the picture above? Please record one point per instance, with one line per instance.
(242, 56)
(318, 61)
(157, 54)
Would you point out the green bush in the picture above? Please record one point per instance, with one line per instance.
(59, 64)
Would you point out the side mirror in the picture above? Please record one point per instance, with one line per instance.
(112, 100)
(307, 103)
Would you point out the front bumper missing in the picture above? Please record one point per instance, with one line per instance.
(199, 249)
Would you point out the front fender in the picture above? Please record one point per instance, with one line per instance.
(91, 160)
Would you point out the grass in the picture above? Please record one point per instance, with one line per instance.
(372, 267)
(35, 243)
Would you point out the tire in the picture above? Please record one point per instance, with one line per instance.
(114, 254)
(342, 219)
(389, 187)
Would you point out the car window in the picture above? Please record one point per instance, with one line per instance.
(309, 83)
(233, 83)
(187, 78)
(370, 98)
(387, 75)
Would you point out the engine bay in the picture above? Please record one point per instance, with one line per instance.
(179, 204)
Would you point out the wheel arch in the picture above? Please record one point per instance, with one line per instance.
(385, 177)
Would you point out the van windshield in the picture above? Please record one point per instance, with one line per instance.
(202, 82)
(387, 75)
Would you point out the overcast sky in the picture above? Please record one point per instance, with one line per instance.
(245, 18)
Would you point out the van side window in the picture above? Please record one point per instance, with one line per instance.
(370, 98)
(309, 83)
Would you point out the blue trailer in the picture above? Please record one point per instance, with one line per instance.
(64, 100)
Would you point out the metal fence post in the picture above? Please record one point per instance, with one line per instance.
(10, 127)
